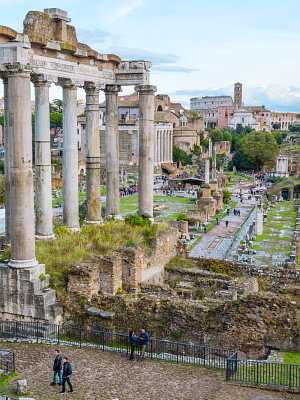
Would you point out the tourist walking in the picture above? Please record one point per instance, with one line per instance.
(227, 223)
(205, 229)
(67, 372)
(132, 342)
(57, 368)
(144, 337)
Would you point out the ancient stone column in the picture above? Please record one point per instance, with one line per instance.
(162, 146)
(158, 147)
(70, 156)
(6, 160)
(259, 217)
(207, 168)
(112, 151)
(214, 164)
(171, 147)
(209, 148)
(43, 188)
(146, 133)
(93, 187)
(22, 208)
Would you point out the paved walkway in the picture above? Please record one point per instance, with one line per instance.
(111, 376)
(218, 240)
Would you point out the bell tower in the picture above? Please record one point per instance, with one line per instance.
(238, 95)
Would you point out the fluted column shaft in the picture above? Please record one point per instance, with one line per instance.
(22, 207)
(112, 151)
(43, 188)
(158, 147)
(93, 184)
(70, 158)
(146, 136)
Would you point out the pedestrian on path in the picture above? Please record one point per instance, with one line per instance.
(205, 229)
(57, 368)
(144, 337)
(227, 223)
(67, 372)
(218, 221)
(132, 342)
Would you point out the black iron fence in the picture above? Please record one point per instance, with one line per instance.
(263, 373)
(256, 372)
(156, 349)
(7, 363)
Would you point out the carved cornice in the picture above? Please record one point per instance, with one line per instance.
(70, 83)
(42, 79)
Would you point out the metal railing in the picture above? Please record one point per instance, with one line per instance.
(3, 397)
(107, 341)
(256, 372)
(7, 363)
(263, 373)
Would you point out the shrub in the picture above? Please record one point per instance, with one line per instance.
(182, 217)
(226, 196)
(137, 220)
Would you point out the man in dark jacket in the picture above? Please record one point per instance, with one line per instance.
(57, 368)
(144, 337)
(67, 372)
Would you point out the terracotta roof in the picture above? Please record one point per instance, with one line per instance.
(163, 116)
(184, 128)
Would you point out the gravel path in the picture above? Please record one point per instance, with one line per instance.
(111, 376)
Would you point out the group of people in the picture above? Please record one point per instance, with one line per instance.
(133, 340)
(62, 364)
(128, 191)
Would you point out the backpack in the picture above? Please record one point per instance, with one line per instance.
(69, 369)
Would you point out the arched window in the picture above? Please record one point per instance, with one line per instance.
(159, 108)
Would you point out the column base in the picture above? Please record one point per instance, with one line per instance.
(94, 222)
(73, 230)
(23, 263)
(45, 237)
(115, 217)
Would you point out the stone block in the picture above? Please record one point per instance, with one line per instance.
(22, 386)
(93, 311)
(107, 314)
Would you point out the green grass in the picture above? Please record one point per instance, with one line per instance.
(6, 387)
(292, 358)
(70, 249)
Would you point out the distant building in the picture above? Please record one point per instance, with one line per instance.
(2, 106)
(224, 116)
(262, 116)
(284, 119)
(185, 137)
(208, 107)
(244, 117)
(238, 95)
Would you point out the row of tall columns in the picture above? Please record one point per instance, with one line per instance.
(18, 159)
(163, 146)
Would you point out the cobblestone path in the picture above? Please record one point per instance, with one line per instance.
(222, 234)
(111, 376)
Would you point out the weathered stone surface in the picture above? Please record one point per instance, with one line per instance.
(22, 386)
(107, 314)
(93, 311)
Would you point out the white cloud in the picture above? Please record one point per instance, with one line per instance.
(122, 12)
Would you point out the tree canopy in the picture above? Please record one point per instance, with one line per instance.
(261, 148)
(181, 156)
(216, 135)
(227, 136)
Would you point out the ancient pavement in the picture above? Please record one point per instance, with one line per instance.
(218, 240)
(111, 376)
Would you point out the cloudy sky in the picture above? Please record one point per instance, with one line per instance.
(197, 47)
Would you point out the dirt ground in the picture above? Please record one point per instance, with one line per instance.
(111, 376)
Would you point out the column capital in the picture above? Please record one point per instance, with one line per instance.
(15, 68)
(112, 89)
(145, 89)
(93, 87)
(43, 80)
(67, 83)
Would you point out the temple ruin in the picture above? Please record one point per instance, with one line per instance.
(47, 52)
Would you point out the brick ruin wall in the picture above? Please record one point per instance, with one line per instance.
(127, 269)
(239, 314)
